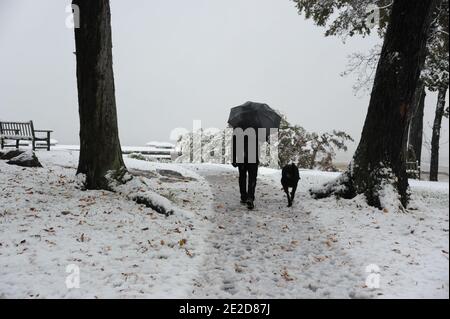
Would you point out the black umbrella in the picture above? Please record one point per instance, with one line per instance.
(254, 115)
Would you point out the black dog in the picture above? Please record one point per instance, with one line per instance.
(290, 178)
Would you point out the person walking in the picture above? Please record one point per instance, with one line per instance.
(246, 159)
(247, 120)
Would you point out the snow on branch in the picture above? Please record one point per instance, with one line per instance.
(135, 188)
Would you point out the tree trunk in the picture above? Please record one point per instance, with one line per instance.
(416, 127)
(100, 152)
(380, 157)
(440, 108)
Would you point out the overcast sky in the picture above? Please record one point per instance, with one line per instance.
(178, 61)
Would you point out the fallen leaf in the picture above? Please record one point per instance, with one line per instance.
(320, 258)
(182, 242)
(286, 276)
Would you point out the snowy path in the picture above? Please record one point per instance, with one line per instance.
(272, 251)
(213, 247)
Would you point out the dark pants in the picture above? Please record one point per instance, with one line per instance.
(252, 171)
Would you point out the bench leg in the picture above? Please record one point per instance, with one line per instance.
(33, 143)
(17, 144)
(3, 143)
(48, 141)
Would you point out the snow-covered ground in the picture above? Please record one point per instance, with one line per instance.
(212, 246)
(122, 249)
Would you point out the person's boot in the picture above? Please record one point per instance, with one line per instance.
(243, 200)
(250, 204)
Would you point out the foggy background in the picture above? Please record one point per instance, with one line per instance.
(178, 61)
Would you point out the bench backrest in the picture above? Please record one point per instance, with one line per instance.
(414, 166)
(23, 129)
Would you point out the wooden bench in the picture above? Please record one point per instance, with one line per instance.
(413, 170)
(19, 131)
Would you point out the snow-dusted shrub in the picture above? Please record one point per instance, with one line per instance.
(309, 150)
(292, 145)
(25, 159)
(7, 155)
(147, 158)
(137, 156)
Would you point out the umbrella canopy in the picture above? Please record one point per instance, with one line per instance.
(254, 115)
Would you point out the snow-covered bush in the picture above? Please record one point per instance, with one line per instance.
(137, 156)
(292, 145)
(25, 159)
(309, 150)
(148, 158)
